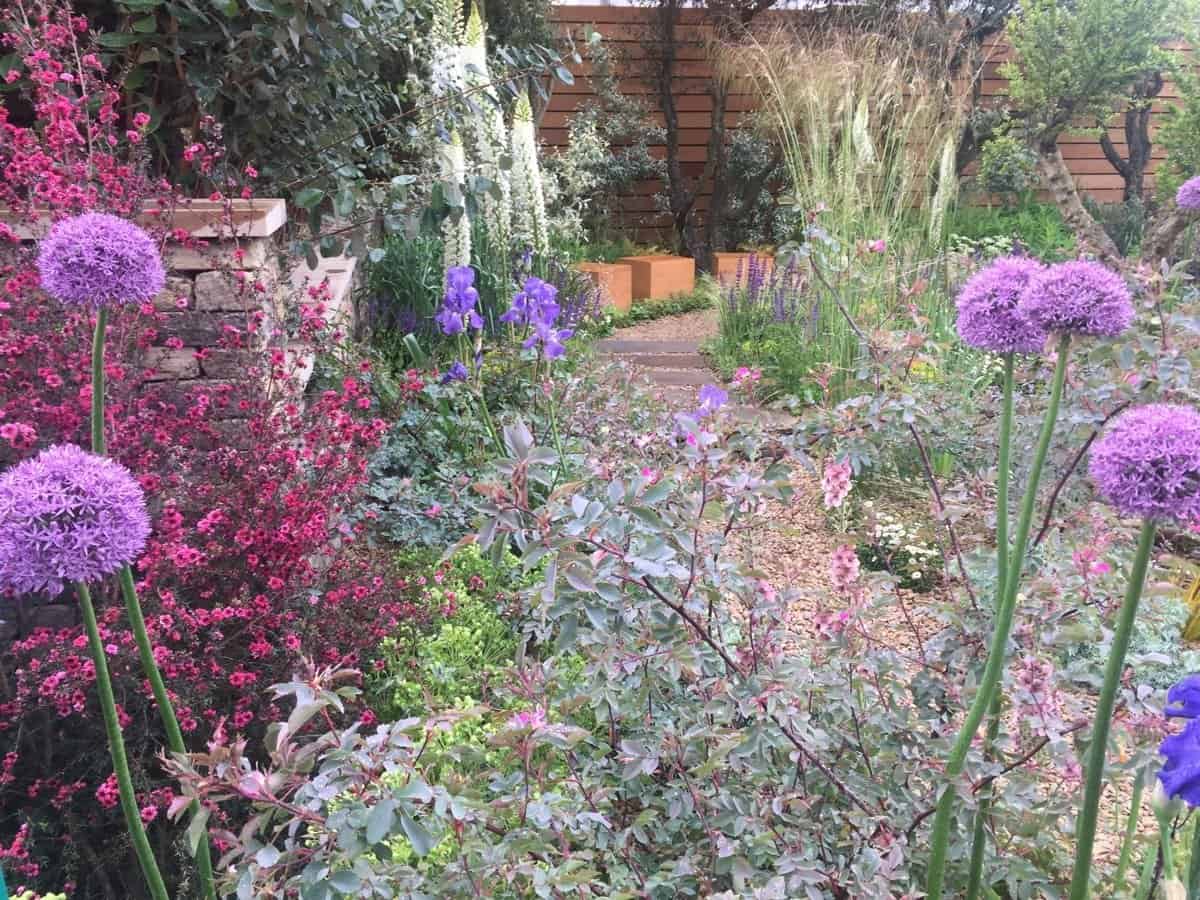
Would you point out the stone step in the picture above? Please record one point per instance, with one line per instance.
(617, 346)
(681, 377)
(667, 360)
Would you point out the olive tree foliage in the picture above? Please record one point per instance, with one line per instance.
(1077, 62)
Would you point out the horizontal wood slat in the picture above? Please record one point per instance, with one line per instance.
(627, 33)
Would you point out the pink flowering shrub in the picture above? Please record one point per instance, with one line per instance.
(254, 560)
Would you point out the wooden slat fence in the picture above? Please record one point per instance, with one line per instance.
(626, 29)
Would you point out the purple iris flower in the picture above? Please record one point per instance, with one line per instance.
(549, 337)
(458, 305)
(1180, 774)
(456, 372)
(536, 300)
(1183, 699)
(712, 398)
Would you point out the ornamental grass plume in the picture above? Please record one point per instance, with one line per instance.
(988, 314)
(1078, 298)
(1188, 195)
(1147, 465)
(67, 515)
(99, 260)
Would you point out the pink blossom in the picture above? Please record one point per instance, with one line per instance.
(844, 569)
(835, 483)
(531, 719)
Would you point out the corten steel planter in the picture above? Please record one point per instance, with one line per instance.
(614, 280)
(660, 276)
(735, 267)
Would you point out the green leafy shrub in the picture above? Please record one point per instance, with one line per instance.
(1124, 222)
(1037, 227)
(459, 645)
(1007, 167)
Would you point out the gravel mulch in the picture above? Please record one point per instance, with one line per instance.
(694, 326)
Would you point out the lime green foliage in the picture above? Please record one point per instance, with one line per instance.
(462, 642)
(1037, 227)
(1077, 60)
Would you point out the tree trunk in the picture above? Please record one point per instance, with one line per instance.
(1163, 232)
(717, 168)
(1137, 138)
(1057, 178)
(681, 196)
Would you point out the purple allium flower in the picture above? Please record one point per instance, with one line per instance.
(98, 260)
(456, 372)
(988, 317)
(67, 515)
(1078, 297)
(458, 305)
(1148, 463)
(1188, 195)
(1183, 700)
(712, 398)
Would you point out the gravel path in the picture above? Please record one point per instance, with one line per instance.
(693, 326)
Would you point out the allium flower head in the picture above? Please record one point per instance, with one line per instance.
(98, 260)
(1188, 195)
(67, 515)
(1148, 463)
(988, 316)
(1078, 297)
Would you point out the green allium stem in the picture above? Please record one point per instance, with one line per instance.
(1126, 855)
(979, 838)
(137, 622)
(98, 445)
(166, 712)
(116, 745)
(990, 679)
(1085, 828)
(1146, 877)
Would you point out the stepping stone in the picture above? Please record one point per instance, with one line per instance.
(668, 360)
(681, 377)
(618, 346)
